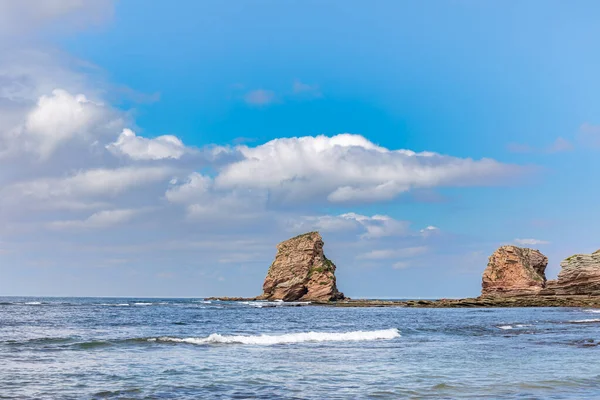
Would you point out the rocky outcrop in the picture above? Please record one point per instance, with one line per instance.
(514, 271)
(301, 272)
(579, 275)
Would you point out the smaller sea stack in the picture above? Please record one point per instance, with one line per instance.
(514, 271)
(301, 272)
(579, 275)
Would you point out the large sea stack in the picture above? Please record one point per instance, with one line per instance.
(579, 275)
(301, 272)
(514, 271)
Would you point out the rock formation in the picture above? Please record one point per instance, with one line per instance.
(301, 272)
(579, 275)
(514, 271)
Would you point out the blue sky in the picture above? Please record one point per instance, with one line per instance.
(141, 187)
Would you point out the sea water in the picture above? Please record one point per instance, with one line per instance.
(122, 348)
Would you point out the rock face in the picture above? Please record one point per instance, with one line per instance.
(301, 272)
(514, 271)
(579, 275)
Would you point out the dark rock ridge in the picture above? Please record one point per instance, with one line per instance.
(301, 272)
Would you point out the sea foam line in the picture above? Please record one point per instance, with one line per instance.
(287, 338)
(585, 321)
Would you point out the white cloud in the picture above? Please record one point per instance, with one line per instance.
(141, 148)
(62, 117)
(193, 190)
(202, 199)
(348, 167)
(101, 219)
(95, 182)
(430, 230)
(530, 242)
(259, 97)
(379, 226)
(375, 226)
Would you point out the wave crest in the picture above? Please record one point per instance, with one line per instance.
(585, 321)
(288, 338)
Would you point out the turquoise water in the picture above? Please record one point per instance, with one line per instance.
(98, 348)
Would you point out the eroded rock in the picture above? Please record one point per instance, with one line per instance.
(579, 275)
(301, 272)
(514, 271)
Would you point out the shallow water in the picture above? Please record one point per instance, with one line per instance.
(98, 348)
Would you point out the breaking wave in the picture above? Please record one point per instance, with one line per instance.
(288, 338)
(505, 327)
(508, 327)
(275, 303)
(585, 321)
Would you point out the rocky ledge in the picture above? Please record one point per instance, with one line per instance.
(301, 272)
(514, 277)
(579, 275)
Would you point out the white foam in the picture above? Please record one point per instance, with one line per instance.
(33, 303)
(584, 321)
(275, 303)
(115, 305)
(142, 304)
(287, 338)
(505, 327)
(593, 311)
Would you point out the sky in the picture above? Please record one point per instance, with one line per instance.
(164, 149)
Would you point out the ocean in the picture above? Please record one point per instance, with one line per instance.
(125, 348)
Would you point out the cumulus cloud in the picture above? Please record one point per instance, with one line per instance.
(378, 226)
(140, 148)
(430, 230)
(530, 242)
(368, 227)
(346, 168)
(202, 199)
(73, 164)
(61, 117)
